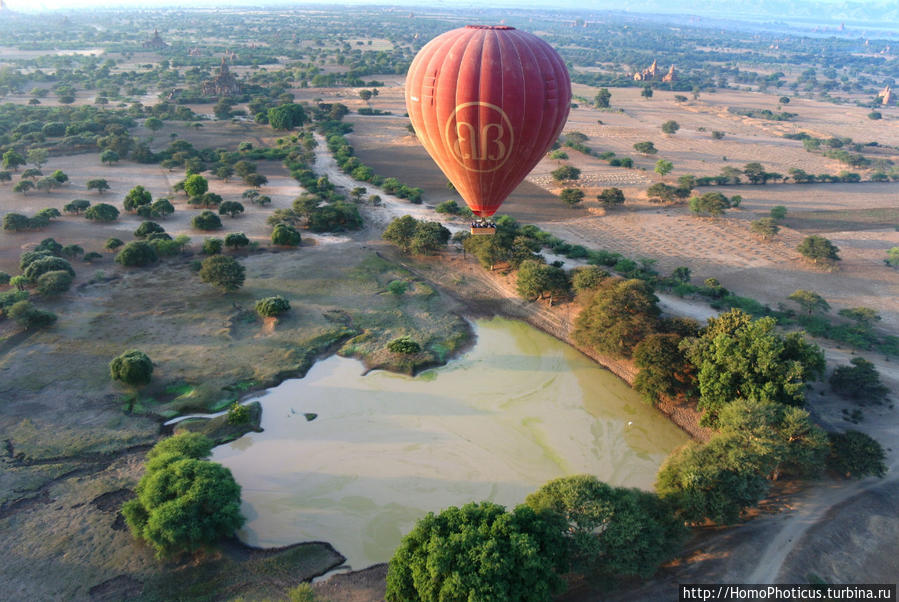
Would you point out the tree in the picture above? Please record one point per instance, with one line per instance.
(29, 317)
(613, 531)
(72, 251)
(206, 220)
(133, 367)
(184, 503)
(717, 480)
(611, 197)
(98, 184)
(480, 552)
(892, 259)
(23, 186)
(285, 235)
(12, 160)
(663, 167)
(243, 168)
(77, 206)
(766, 228)
(212, 246)
(271, 307)
(670, 127)
(818, 249)
(717, 135)
(565, 173)
(404, 345)
(231, 208)
(755, 172)
(48, 263)
(809, 301)
(710, 203)
(645, 148)
(784, 100)
(137, 254)
(587, 278)
(137, 197)
(209, 199)
(664, 370)
(571, 196)
(5, 176)
(154, 124)
(861, 381)
(16, 222)
(224, 172)
(147, 228)
(602, 98)
(365, 95)
(535, 279)
(255, 180)
(109, 156)
(195, 185)
(428, 238)
(223, 272)
(738, 357)
(235, 240)
(646, 92)
(620, 314)
(778, 212)
(33, 173)
(112, 244)
(54, 282)
(863, 316)
(286, 116)
(162, 208)
(855, 454)
(400, 232)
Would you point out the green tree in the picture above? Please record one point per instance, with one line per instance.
(112, 244)
(133, 367)
(716, 480)
(861, 381)
(212, 246)
(286, 116)
(77, 206)
(613, 531)
(855, 454)
(611, 197)
(184, 503)
(12, 160)
(535, 279)
(738, 357)
(818, 249)
(223, 272)
(587, 278)
(162, 208)
(809, 301)
(646, 92)
(400, 232)
(42, 265)
(670, 127)
(571, 196)
(404, 345)
(488, 249)
(286, 236)
(480, 552)
(270, 307)
(154, 124)
(892, 259)
(28, 316)
(137, 254)
(236, 240)
(662, 193)
(137, 197)
(645, 148)
(602, 98)
(766, 228)
(231, 208)
(565, 173)
(620, 314)
(23, 186)
(255, 179)
(109, 156)
(98, 184)
(663, 167)
(429, 238)
(756, 173)
(206, 220)
(54, 283)
(710, 203)
(16, 222)
(195, 185)
(663, 368)
(778, 212)
(147, 228)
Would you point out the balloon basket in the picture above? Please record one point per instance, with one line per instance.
(483, 230)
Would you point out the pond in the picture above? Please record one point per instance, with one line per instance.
(520, 408)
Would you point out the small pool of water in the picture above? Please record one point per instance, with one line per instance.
(517, 410)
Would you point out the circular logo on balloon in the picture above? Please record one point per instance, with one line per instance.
(479, 136)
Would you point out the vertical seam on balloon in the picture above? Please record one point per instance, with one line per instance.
(491, 178)
(542, 113)
(513, 39)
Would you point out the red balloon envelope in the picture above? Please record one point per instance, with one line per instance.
(487, 103)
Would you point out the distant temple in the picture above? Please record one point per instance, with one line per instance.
(223, 84)
(886, 96)
(154, 42)
(653, 73)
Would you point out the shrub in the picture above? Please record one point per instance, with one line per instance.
(40, 266)
(238, 414)
(231, 208)
(861, 381)
(206, 220)
(235, 240)
(137, 254)
(855, 454)
(285, 236)
(29, 317)
(137, 197)
(147, 228)
(212, 246)
(102, 212)
(223, 272)
(403, 345)
(133, 367)
(270, 307)
(54, 283)
(112, 244)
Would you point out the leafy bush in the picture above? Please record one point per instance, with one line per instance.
(860, 381)
(212, 246)
(857, 455)
(29, 317)
(269, 307)
(102, 212)
(403, 345)
(223, 272)
(147, 228)
(133, 368)
(238, 414)
(285, 236)
(54, 283)
(35, 269)
(206, 220)
(137, 254)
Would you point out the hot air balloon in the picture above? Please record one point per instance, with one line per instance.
(487, 102)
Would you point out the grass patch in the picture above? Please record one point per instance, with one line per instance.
(843, 220)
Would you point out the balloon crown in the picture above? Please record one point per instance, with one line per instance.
(488, 27)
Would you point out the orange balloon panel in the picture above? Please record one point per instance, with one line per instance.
(487, 103)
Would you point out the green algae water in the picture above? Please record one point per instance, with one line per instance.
(520, 408)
